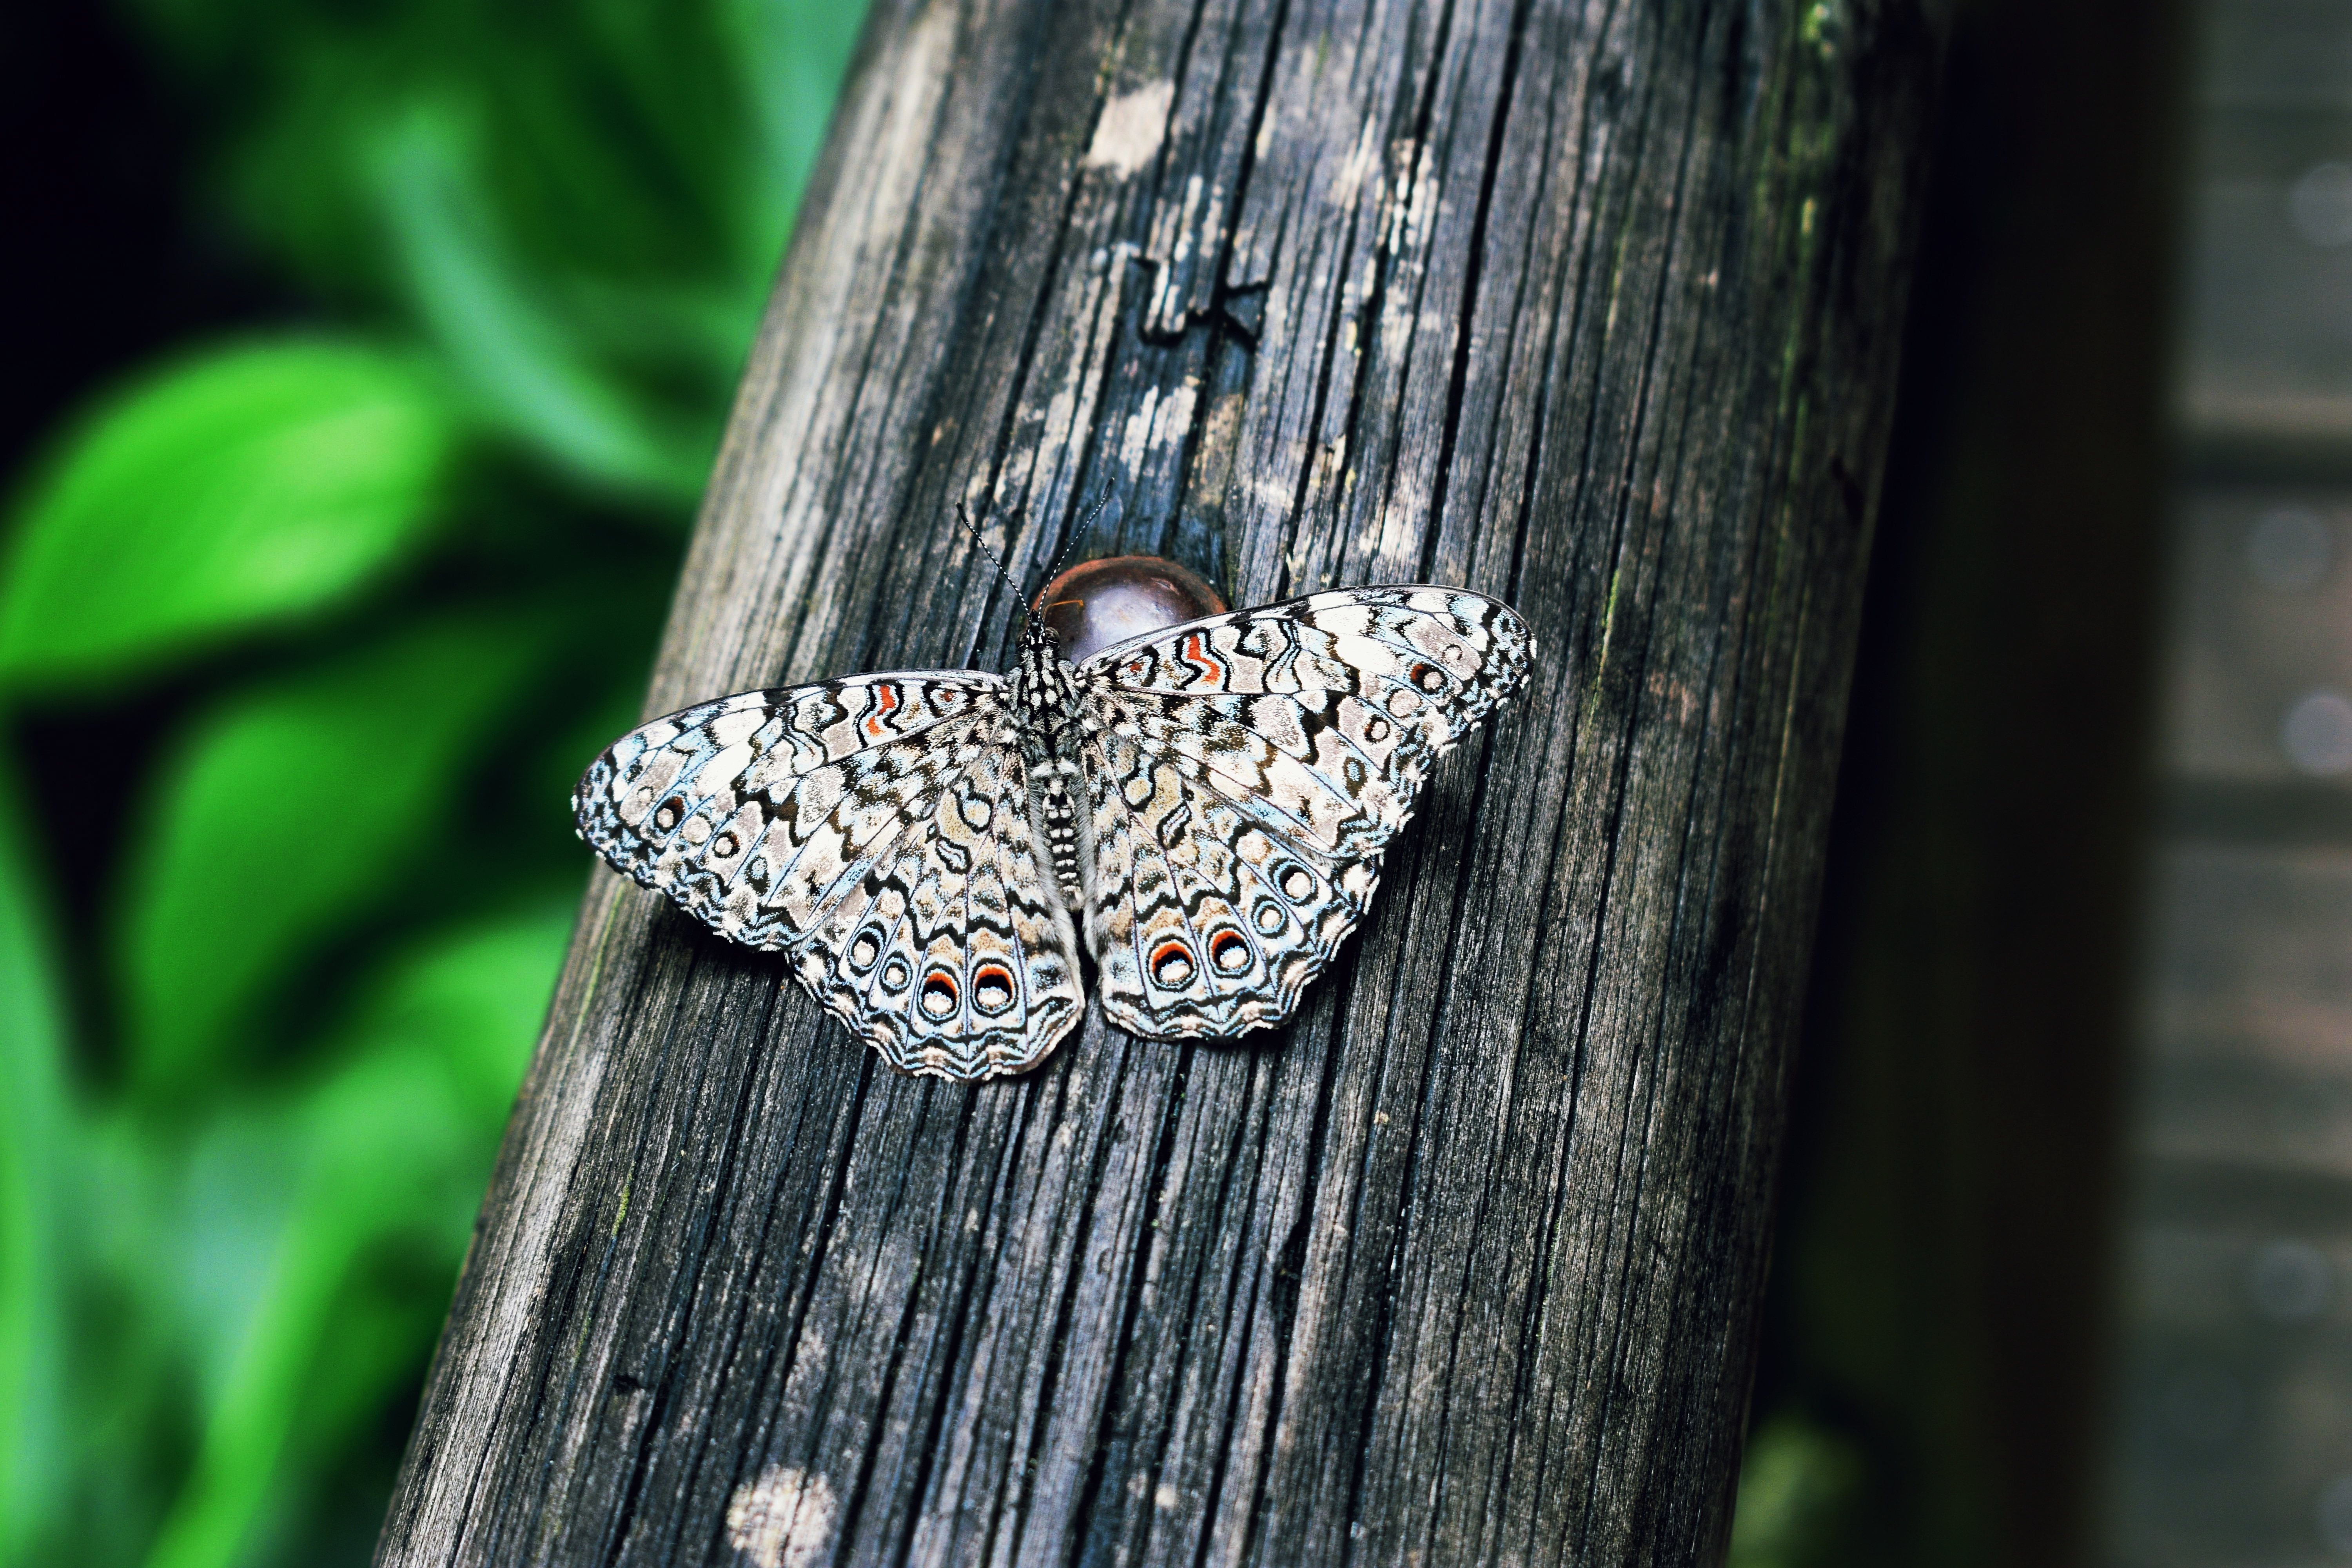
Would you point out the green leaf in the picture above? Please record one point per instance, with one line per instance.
(515, 354)
(583, 207)
(287, 813)
(250, 485)
(34, 1132)
(393, 1147)
(1798, 1486)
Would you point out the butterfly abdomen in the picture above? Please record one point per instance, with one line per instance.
(1059, 808)
(1047, 708)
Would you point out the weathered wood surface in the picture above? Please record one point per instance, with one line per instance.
(1589, 306)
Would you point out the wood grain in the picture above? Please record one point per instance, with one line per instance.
(1592, 307)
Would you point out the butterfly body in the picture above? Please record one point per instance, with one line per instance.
(1208, 803)
(1051, 721)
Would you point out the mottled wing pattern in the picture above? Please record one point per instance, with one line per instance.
(1246, 772)
(876, 829)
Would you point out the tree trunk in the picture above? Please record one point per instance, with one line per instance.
(1591, 307)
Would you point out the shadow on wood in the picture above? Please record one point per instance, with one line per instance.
(1594, 308)
(1943, 1295)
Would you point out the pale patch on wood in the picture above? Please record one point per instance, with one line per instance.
(784, 1519)
(1131, 127)
(1360, 163)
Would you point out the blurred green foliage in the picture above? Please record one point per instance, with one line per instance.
(303, 635)
(1799, 1486)
(295, 473)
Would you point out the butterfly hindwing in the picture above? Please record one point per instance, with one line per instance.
(1208, 917)
(948, 949)
(1248, 769)
(877, 830)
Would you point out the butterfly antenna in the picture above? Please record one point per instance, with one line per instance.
(1076, 535)
(964, 513)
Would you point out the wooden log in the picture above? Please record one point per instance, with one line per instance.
(1591, 307)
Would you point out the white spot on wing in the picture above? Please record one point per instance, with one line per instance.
(784, 1519)
(1130, 129)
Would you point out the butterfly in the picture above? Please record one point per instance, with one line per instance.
(1209, 802)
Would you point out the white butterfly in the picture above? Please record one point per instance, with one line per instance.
(1210, 800)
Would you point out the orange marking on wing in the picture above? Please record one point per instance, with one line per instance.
(1197, 654)
(874, 725)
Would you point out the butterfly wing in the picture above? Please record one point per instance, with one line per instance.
(876, 829)
(1247, 771)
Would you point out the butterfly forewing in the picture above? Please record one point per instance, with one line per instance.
(877, 830)
(1247, 771)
